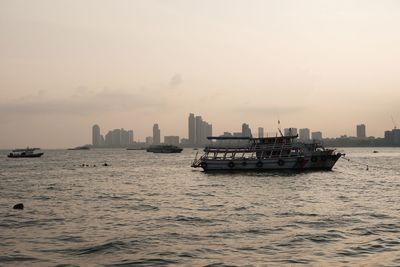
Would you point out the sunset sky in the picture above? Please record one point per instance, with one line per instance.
(323, 65)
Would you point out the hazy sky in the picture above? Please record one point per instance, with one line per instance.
(324, 65)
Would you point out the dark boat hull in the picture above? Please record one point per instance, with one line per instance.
(36, 155)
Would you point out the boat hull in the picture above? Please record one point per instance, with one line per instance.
(36, 155)
(292, 163)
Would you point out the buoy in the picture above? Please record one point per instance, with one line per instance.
(18, 206)
(105, 164)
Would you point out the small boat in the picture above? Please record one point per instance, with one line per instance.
(135, 148)
(25, 153)
(80, 148)
(375, 151)
(164, 149)
(271, 153)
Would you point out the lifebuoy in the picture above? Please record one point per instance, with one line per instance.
(259, 164)
(281, 162)
(231, 164)
(314, 159)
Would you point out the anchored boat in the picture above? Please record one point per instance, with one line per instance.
(164, 149)
(271, 153)
(25, 153)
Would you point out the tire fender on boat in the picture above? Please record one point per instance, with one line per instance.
(281, 162)
(259, 164)
(323, 158)
(231, 164)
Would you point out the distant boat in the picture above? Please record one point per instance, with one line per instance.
(85, 147)
(135, 148)
(164, 149)
(375, 151)
(25, 153)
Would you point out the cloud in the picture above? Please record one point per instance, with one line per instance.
(271, 109)
(176, 80)
(82, 102)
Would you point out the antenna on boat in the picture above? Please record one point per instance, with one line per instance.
(394, 124)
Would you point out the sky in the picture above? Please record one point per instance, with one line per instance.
(323, 65)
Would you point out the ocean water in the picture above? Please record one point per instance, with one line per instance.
(153, 209)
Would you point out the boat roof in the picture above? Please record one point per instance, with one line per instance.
(25, 149)
(249, 138)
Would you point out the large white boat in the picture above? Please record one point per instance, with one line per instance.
(271, 153)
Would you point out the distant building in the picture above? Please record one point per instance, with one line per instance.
(192, 129)
(171, 140)
(156, 135)
(304, 134)
(316, 136)
(96, 136)
(246, 131)
(361, 131)
(130, 133)
(199, 130)
(290, 131)
(260, 132)
(396, 137)
(149, 140)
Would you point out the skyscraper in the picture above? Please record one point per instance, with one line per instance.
(260, 132)
(199, 130)
(156, 134)
(192, 129)
(361, 131)
(96, 136)
(246, 131)
(304, 134)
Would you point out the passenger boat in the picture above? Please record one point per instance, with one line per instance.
(164, 149)
(271, 153)
(25, 153)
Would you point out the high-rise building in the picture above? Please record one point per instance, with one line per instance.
(156, 135)
(96, 136)
(199, 131)
(316, 136)
(304, 134)
(246, 131)
(361, 131)
(116, 137)
(192, 129)
(130, 133)
(171, 140)
(260, 132)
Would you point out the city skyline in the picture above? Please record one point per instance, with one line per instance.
(198, 130)
(322, 65)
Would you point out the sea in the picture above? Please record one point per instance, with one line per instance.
(146, 209)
